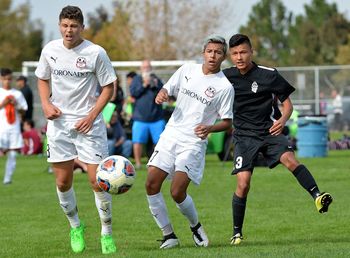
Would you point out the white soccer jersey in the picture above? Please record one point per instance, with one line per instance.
(201, 99)
(21, 103)
(75, 75)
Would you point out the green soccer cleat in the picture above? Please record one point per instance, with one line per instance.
(236, 239)
(77, 241)
(323, 201)
(107, 244)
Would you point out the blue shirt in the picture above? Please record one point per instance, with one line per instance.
(145, 109)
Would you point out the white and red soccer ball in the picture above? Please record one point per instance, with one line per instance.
(115, 174)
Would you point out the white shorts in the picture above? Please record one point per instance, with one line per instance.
(65, 143)
(170, 156)
(11, 140)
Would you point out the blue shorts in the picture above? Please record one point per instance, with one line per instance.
(142, 130)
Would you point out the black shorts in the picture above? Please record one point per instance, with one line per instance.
(247, 147)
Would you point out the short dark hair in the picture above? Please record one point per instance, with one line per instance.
(239, 39)
(72, 13)
(30, 122)
(131, 74)
(22, 78)
(5, 71)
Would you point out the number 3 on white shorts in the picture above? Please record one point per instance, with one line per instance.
(238, 163)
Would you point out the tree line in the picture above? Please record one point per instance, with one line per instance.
(164, 30)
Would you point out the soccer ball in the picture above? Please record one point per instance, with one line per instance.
(115, 174)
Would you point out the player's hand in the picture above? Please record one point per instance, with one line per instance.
(162, 96)
(277, 127)
(51, 112)
(9, 100)
(5, 102)
(84, 125)
(202, 131)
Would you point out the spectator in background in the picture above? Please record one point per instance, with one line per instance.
(23, 86)
(129, 107)
(323, 104)
(337, 105)
(12, 106)
(147, 116)
(118, 144)
(129, 77)
(118, 99)
(32, 139)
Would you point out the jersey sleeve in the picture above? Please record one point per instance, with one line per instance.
(43, 70)
(282, 87)
(104, 70)
(173, 84)
(226, 104)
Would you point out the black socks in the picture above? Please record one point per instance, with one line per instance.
(306, 180)
(238, 210)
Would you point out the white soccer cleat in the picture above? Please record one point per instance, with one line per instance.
(169, 241)
(199, 236)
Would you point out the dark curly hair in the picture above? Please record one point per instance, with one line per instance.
(72, 13)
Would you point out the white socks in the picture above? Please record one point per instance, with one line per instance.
(160, 214)
(69, 206)
(103, 202)
(159, 211)
(188, 209)
(10, 166)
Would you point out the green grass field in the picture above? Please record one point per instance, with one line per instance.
(281, 219)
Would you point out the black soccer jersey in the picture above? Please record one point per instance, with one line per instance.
(255, 92)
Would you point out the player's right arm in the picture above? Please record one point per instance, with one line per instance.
(50, 111)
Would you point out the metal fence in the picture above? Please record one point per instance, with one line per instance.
(313, 84)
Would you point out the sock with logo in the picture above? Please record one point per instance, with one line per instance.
(159, 211)
(306, 180)
(188, 209)
(69, 206)
(103, 203)
(238, 211)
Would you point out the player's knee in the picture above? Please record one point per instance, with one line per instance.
(242, 188)
(152, 187)
(63, 186)
(93, 184)
(289, 161)
(178, 195)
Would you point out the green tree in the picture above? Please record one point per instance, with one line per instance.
(268, 27)
(316, 36)
(114, 34)
(156, 29)
(20, 38)
(343, 53)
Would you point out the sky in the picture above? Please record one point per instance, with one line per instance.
(48, 11)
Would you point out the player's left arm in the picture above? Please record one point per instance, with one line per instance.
(202, 131)
(278, 125)
(85, 124)
(106, 77)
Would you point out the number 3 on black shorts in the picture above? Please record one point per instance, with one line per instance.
(239, 162)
